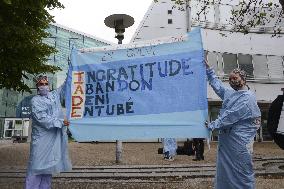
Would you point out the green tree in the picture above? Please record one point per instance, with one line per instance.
(22, 51)
(248, 14)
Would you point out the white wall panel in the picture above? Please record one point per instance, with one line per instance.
(267, 45)
(156, 20)
(239, 43)
(213, 40)
(157, 32)
(266, 92)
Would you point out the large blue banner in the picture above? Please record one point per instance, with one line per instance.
(145, 90)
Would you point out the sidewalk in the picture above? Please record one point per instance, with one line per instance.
(14, 157)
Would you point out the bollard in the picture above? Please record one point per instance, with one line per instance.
(118, 154)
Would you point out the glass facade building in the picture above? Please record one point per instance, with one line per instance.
(63, 39)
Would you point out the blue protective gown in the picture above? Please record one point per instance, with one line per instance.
(237, 124)
(49, 150)
(169, 145)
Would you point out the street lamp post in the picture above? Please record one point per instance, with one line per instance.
(119, 22)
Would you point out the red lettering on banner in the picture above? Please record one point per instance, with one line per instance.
(79, 74)
(74, 113)
(78, 103)
(79, 89)
(78, 97)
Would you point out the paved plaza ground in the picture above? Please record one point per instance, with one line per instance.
(94, 154)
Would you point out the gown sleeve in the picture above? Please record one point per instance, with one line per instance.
(216, 83)
(42, 117)
(240, 111)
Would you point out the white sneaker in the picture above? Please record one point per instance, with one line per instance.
(169, 158)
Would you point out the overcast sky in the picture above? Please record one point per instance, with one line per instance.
(88, 16)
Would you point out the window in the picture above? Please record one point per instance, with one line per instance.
(170, 21)
(212, 60)
(50, 41)
(220, 64)
(73, 41)
(260, 66)
(245, 63)
(170, 11)
(230, 62)
(275, 67)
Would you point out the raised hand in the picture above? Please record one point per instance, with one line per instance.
(66, 122)
(206, 61)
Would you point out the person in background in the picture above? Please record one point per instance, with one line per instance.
(198, 147)
(48, 148)
(169, 148)
(237, 124)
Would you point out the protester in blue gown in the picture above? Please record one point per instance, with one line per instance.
(237, 124)
(169, 148)
(48, 149)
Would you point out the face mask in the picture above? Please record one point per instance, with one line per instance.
(236, 84)
(43, 90)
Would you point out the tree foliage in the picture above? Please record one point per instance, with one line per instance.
(247, 14)
(22, 51)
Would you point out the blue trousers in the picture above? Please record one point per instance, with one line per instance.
(38, 181)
